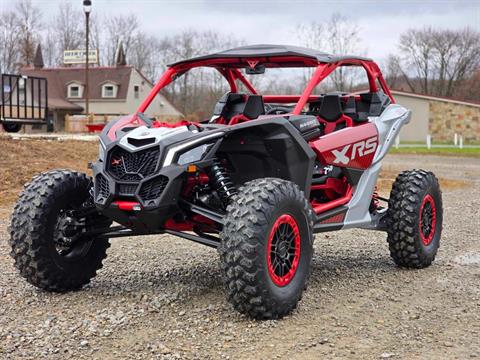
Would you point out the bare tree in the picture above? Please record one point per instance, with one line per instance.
(198, 89)
(144, 55)
(392, 71)
(29, 25)
(340, 36)
(343, 39)
(9, 42)
(121, 28)
(416, 49)
(68, 31)
(50, 48)
(434, 61)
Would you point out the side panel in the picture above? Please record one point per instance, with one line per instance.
(388, 125)
(352, 147)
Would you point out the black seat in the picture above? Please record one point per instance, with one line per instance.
(350, 108)
(372, 104)
(232, 104)
(331, 108)
(254, 107)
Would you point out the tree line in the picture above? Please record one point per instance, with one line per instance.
(433, 61)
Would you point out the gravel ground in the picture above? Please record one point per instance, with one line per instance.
(161, 297)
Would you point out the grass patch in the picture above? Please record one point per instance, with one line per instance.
(467, 152)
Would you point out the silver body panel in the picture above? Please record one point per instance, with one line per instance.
(388, 125)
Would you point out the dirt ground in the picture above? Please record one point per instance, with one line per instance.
(162, 297)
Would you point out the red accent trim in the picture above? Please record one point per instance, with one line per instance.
(287, 99)
(356, 146)
(238, 75)
(130, 120)
(198, 221)
(333, 187)
(322, 207)
(334, 219)
(126, 205)
(158, 124)
(236, 119)
(193, 180)
(330, 126)
(252, 63)
(426, 240)
(178, 226)
(166, 79)
(286, 278)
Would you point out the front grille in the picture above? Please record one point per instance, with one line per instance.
(102, 189)
(152, 189)
(127, 189)
(133, 166)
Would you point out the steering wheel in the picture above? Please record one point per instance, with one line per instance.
(278, 110)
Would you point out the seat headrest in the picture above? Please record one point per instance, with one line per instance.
(226, 102)
(331, 108)
(254, 107)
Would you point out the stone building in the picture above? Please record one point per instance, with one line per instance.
(439, 117)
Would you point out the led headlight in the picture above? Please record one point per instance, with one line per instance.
(173, 151)
(193, 155)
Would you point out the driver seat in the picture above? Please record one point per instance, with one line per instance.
(331, 114)
(237, 107)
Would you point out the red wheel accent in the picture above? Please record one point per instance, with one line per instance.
(428, 219)
(283, 250)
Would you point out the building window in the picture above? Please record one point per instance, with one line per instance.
(109, 91)
(136, 91)
(74, 91)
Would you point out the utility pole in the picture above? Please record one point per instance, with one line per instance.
(87, 8)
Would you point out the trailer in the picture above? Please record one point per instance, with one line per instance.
(24, 101)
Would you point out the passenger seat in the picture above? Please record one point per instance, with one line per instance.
(331, 114)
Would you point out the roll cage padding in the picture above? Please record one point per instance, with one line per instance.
(267, 148)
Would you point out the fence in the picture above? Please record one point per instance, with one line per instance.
(78, 123)
(457, 142)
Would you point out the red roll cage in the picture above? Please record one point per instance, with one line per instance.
(230, 67)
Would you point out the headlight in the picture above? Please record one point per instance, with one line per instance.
(192, 155)
(173, 151)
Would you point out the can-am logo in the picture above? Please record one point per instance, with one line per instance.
(116, 161)
(359, 149)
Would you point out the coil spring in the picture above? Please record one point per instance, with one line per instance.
(221, 181)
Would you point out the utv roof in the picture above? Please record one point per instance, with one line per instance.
(273, 51)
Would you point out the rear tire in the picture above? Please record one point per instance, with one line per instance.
(266, 248)
(415, 216)
(37, 232)
(11, 127)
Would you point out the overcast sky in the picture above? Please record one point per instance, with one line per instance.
(380, 22)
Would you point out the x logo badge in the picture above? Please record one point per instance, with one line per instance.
(341, 156)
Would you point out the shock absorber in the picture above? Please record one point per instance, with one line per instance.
(221, 182)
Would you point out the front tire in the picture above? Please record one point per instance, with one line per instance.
(415, 216)
(267, 248)
(41, 227)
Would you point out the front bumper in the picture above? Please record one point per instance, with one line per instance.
(157, 195)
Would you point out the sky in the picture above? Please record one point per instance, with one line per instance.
(274, 22)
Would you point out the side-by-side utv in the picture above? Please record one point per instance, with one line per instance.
(256, 181)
